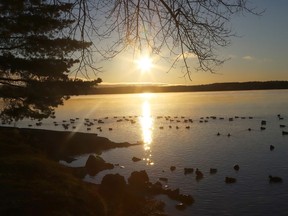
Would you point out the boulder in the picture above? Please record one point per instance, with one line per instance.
(138, 179)
(112, 185)
(135, 159)
(95, 164)
(163, 179)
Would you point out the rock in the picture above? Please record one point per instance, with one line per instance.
(230, 180)
(138, 179)
(180, 206)
(135, 159)
(95, 164)
(175, 195)
(163, 179)
(188, 170)
(187, 199)
(112, 185)
(69, 159)
(156, 188)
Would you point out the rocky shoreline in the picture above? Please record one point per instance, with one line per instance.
(20, 146)
(62, 145)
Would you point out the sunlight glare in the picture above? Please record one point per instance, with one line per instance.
(146, 122)
(144, 63)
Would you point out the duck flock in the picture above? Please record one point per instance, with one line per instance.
(97, 125)
(110, 124)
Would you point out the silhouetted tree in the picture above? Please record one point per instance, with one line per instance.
(36, 56)
(187, 29)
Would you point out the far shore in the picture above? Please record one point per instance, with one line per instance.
(151, 88)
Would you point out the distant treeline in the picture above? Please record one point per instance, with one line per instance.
(232, 86)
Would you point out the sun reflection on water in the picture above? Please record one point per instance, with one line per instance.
(146, 122)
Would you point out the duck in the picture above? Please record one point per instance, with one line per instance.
(172, 168)
(188, 170)
(199, 174)
(275, 179)
(213, 170)
(236, 167)
(230, 180)
(272, 147)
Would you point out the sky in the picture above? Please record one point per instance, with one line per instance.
(258, 53)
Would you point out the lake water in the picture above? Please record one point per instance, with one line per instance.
(180, 129)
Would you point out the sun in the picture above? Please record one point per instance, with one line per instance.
(144, 63)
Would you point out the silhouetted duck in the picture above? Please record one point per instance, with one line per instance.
(263, 122)
(236, 167)
(218, 134)
(282, 126)
(272, 147)
(213, 170)
(172, 168)
(275, 179)
(230, 180)
(199, 174)
(284, 133)
(262, 128)
(188, 170)
(249, 129)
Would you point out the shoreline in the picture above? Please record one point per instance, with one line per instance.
(62, 144)
(229, 86)
(33, 183)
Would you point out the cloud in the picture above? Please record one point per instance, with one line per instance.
(186, 55)
(248, 58)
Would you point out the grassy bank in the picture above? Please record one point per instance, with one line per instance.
(32, 184)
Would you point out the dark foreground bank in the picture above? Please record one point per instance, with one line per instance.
(32, 182)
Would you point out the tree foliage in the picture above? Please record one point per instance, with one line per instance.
(177, 29)
(36, 56)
